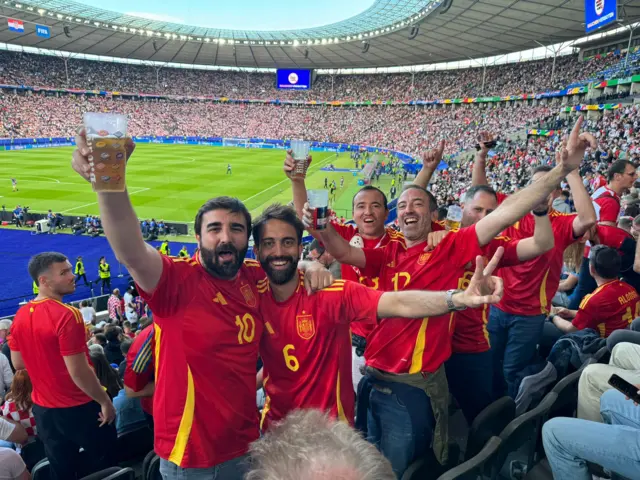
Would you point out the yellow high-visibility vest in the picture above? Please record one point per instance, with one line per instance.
(104, 270)
(79, 268)
(36, 290)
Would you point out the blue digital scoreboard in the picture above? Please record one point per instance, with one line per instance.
(598, 13)
(293, 79)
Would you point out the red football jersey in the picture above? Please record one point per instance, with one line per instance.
(141, 365)
(306, 349)
(44, 332)
(399, 346)
(611, 306)
(207, 333)
(470, 334)
(350, 233)
(530, 286)
(606, 203)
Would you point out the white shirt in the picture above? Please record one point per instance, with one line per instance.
(6, 429)
(11, 465)
(88, 313)
(6, 376)
(128, 298)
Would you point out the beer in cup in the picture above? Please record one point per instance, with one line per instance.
(106, 137)
(319, 204)
(300, 152)
(454, 217)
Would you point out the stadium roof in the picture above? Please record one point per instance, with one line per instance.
(448, 31)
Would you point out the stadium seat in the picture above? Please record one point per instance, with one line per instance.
(41, 471)
(522, 432)
(567, 391)
(134, 445)
(32, 453)
(106, 473)
(490, 422)
(475, 466)
(152, 469)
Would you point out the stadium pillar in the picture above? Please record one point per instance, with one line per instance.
(484, 75)
(626, 57)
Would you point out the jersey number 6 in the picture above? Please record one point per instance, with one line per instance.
(290, 360)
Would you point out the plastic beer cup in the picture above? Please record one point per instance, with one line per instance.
(319, 203)
(106, 136)
(300, 152)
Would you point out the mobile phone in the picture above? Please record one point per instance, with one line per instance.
(490, 144)
(625, 387)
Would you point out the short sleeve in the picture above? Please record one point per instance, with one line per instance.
(463, 247)
(71, 334)
(6, 429)
(168, 297)
(585, 317)
(345, 231)
(12, 463)
(375, 260)
(510, 255)
(254, 271)
(563, 230)
(14, 344)
(140, 361)
(609, 209)
(360, 303)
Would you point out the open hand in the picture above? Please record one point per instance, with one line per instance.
(483, 287)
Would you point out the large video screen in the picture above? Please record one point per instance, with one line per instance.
(599, 13)
(293, 79)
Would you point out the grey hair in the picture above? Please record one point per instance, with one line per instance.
(5, 324)
(309, 445)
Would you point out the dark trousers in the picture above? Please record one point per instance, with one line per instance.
(65, 430)
(586, 285)
(106, 283)
(514, 340)
(82, 276)
(470, 377)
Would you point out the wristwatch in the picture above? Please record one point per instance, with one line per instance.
(449, 298)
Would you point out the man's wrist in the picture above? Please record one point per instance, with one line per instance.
(458, 299)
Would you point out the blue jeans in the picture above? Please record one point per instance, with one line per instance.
(514, 339)
(586, 285)
(470, 377)
(400, 423)
(234, 469)
(615, 445)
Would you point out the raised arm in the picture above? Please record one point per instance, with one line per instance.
(430, 161)
(121, 225)
(479, 174)
(333, 242)
(483, 289)
(517, 205)
(584, 206)
(541, 242)
(298, 186)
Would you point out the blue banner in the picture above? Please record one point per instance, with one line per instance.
(43, 31)
(598, 13)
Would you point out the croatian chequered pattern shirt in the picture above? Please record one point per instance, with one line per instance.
(23, 417)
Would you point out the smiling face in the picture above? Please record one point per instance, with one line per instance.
(414, 214)
(369, 213)
(279, 251)
(475, 209)
(223, 242)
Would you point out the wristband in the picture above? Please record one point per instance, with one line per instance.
(541, 213)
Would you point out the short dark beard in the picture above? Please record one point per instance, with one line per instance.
(224, 271)
(279, 277)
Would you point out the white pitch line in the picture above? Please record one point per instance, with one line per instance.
(286, 179)
(94, 203)
(49, 180)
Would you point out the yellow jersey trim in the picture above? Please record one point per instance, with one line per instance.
(267, 404)
(543, 294)
(341, 416)
(186, 422)
(158, 337)
(418, 350)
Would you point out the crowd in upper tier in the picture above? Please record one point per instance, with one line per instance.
(507, 79)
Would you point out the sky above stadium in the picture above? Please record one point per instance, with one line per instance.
(241, 14)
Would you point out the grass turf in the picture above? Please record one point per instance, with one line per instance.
(169, 182)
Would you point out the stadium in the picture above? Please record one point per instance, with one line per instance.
(472, 99)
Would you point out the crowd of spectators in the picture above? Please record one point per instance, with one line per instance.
(507, 79)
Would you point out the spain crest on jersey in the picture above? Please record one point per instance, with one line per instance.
(248, 295)
(305, 326)
(424, 258)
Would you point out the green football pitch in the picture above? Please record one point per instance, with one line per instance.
(169, 182)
